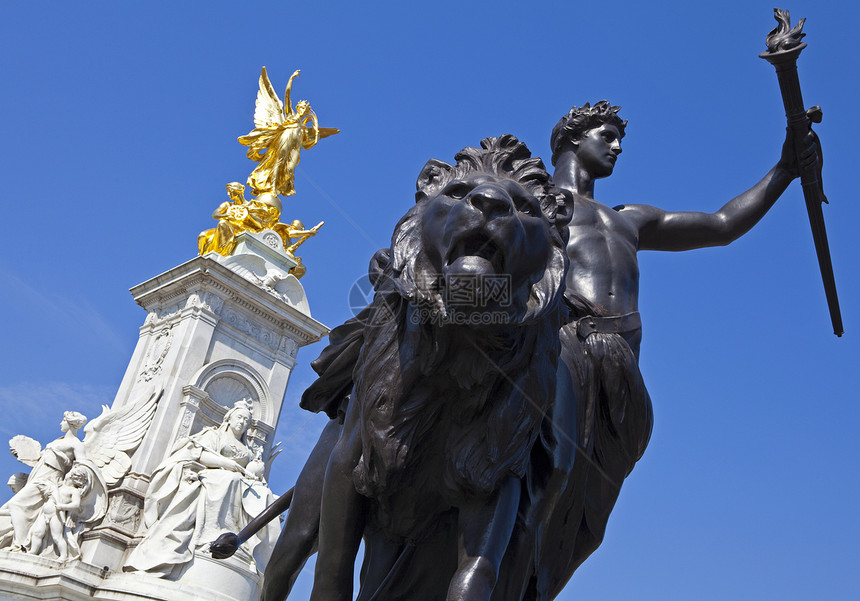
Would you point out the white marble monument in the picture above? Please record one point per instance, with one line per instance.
(193, 419)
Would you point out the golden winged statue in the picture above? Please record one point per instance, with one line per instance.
(275, 143)
(280, 134)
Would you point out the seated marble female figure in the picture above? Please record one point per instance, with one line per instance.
(212, 482)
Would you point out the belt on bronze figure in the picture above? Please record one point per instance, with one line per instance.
(615, 324)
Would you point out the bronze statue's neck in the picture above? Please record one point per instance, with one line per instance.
(571, 175)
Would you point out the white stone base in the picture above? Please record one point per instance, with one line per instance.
(30, 578)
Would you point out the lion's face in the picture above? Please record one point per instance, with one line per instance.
(483, 245)
(484, 225)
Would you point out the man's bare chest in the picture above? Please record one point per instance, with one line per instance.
(596, 228)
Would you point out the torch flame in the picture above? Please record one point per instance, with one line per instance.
(784, 37)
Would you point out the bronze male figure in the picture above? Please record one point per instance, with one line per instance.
(601, 419)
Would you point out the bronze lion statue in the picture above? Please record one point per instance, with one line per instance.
(437, 390)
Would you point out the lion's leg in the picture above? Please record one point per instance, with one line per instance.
(342, 517)
(485, 530)
(299, 536)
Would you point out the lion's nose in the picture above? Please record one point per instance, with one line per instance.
(490, 200)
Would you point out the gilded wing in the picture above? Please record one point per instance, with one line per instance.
(268, 111)
(115, 433)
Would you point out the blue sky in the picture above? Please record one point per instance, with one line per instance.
(118, 127)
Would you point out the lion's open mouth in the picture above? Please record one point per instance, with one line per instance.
(476, 244)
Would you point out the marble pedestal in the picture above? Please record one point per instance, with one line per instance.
(27, 577)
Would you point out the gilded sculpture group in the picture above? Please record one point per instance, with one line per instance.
(280, 134)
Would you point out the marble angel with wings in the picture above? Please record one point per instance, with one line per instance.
(66, 488)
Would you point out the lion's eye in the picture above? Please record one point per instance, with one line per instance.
(526, 204)
(457, 191)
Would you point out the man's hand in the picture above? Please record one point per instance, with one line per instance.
(801, 152)
(224, 546)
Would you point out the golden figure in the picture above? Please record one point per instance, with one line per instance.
(255, 215)
(276, 141)
(238, 215)
(294, 235)
(278, 138)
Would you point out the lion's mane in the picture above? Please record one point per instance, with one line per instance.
(448, 411)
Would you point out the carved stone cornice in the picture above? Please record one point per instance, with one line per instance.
(203, 275)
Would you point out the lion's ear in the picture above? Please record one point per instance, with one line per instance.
(431, 178)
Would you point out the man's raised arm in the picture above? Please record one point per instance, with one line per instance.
(685, 230)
